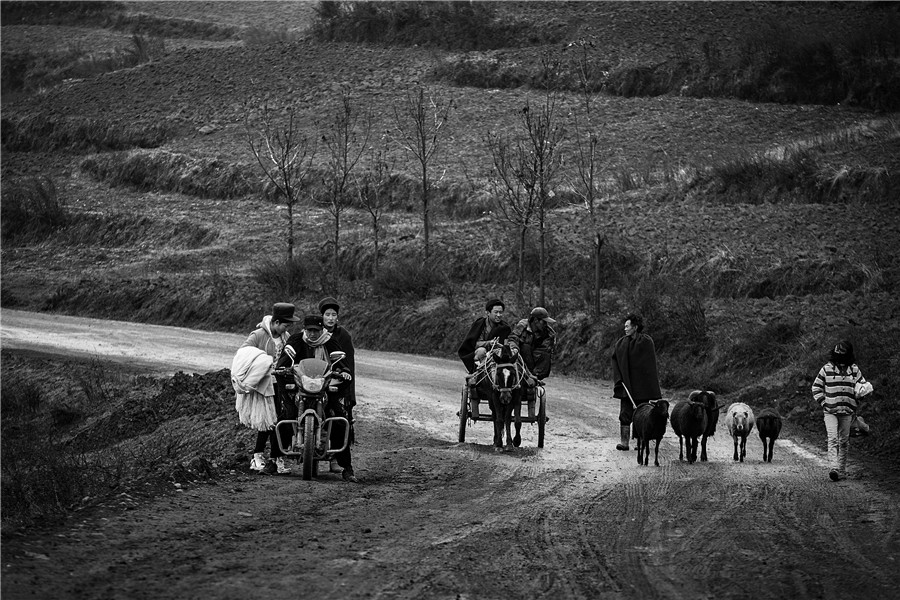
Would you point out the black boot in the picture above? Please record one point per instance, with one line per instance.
(625, 431)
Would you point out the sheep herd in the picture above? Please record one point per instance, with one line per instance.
(694, 421)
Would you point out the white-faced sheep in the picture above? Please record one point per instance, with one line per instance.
(768, 424)
(688, 423)
(708, 399)
(740, 423)
(649, 423)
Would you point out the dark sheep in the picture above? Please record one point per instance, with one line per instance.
(768, 424)
(708, 399)
(649, 423)
(688, 423)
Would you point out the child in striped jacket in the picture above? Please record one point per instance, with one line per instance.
(837, 388)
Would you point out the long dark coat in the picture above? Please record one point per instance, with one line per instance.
(634, 365)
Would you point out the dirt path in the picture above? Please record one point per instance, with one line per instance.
(433, 518)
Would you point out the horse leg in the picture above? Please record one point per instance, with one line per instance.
(497, 421)
(507, 423)
(517, 411)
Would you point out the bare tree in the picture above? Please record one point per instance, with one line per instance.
(589, 161)
(285, 155)
(512, 180)
(372, 193)
(421, 122)
(345, 137)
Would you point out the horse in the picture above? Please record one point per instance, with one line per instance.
(505, 372)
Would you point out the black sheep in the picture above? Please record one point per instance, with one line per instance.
(688, 423)
(768, 423)
(649, 423)
(708, 399)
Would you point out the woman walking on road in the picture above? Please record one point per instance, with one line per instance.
(837, 388)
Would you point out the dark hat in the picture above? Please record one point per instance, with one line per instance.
(327, 303)
(842, 353)
(313, 322)
(541, 313)
(492, 303)
(284, 311)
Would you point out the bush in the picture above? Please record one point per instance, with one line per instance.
(450, 25)
(38, 133)
(412, 277)
(31, 211)
(172, 172)
(284, 278)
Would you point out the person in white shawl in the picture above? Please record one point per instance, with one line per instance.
(251, 377)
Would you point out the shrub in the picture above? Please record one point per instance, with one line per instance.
(411, 277)
(766, 349)
(172, 172)
(31, 210)
(450, 25)
(285, 278)
(38, 133)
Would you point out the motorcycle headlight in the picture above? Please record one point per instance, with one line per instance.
(312, 384)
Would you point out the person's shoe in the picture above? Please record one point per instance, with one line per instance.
(257, 463)
(625, 432)
(834, 475)
(282, 467)
(270, 468)
(334, 467)
(347, 475)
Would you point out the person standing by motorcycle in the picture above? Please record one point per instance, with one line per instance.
(634, 373)
(316, 342)
(534, 339)
(270, 337)
(343, 341)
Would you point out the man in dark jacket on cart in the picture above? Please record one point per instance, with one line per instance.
(534, 339)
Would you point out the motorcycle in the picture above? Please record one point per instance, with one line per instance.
(312, 379)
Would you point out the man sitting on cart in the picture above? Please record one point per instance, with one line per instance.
(484, 332)
(534, 339)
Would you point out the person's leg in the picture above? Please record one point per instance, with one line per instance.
(336, 440)
(831, 438)
(258, 462)
(843, 442)
(626, 412)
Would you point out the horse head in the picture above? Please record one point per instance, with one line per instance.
(505, 372)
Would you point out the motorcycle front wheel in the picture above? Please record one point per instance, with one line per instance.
(309, 448)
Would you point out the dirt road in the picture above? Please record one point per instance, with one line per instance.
(433, 518)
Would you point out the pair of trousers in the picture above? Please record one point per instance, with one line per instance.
(837, 433)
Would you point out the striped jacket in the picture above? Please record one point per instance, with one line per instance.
(835, 390)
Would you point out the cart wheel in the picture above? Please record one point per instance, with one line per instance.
(542, 418)
(463, 413)
(309, 448)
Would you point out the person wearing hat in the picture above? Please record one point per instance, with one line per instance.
(483, 333)
(315, 341)
(534, 339)
(634, 373)
(270, 336)
(343, 341)
(837, 389)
